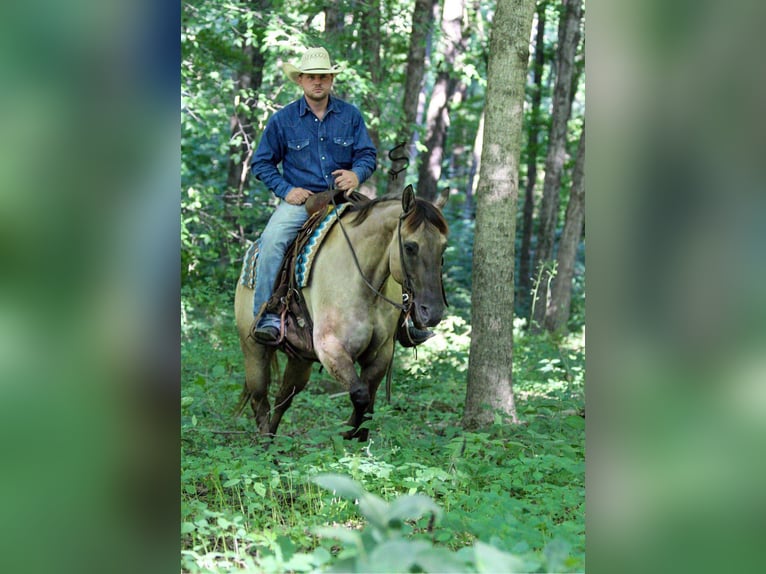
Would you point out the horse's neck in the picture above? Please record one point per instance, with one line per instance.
(373, 238)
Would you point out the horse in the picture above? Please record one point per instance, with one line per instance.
(379, 254)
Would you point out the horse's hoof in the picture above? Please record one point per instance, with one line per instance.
(362, 435)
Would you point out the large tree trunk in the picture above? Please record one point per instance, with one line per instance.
(557, 313)
(569, 34)
(490, 366)
(416, 57)
(445, 86)
(525, 256)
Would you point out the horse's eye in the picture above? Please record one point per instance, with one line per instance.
(411, 248)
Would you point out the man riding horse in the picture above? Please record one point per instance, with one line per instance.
(321, 142)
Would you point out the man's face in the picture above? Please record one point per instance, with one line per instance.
(316, 86)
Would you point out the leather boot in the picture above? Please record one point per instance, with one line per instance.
(410, 336)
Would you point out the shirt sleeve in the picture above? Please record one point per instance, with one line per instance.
(267, 157)
(365, 154)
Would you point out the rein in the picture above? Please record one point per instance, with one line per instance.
(405, 307)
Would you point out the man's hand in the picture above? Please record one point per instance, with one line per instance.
(297, 196)
(345, 180)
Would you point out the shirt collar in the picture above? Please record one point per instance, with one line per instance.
(303, 107)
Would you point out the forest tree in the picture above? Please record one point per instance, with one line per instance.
(490, 380)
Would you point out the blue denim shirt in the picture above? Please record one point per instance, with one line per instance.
(310, 149)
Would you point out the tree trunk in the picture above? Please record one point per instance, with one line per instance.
(333, 21)
(416, 57)
(532, 148)
(554, 163)
(437, 117)
(557, 313)
(490, 366)
(369, 42)
(241, 148)
(473, 179)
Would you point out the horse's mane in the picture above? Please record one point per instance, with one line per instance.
(423, 211)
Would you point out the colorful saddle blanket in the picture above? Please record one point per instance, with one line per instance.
(305, 260)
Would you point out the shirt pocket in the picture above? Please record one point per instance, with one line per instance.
(298, 153)
(343, 150)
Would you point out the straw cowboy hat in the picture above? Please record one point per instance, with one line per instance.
(314, 61)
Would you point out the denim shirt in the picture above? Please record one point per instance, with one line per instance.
(310, 149)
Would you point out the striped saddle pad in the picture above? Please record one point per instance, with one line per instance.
(305, 257)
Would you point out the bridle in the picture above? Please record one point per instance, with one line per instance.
(407, 292)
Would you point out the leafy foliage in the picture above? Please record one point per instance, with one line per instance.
(435, 497)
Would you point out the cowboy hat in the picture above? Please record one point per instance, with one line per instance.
(314, 61)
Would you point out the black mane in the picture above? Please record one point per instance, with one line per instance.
(424, 211)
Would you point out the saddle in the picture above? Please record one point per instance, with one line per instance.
(296, 327)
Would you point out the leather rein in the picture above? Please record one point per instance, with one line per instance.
(406, 305)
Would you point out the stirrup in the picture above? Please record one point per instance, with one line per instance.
(410, 336)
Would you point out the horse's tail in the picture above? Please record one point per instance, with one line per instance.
(246, 394)
(244, 399)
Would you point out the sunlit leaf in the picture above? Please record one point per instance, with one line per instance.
(340, 485)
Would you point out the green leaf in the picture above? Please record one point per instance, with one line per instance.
(556, 553)
(374, 509)
(340, 485)
(575, 422)
(339, 533)
(321, 556)
(394, 556)
(231, 482)
(259, 488)
(411, 507)
(187, 527)
(489, 559)
(440, 560)
(300, 562)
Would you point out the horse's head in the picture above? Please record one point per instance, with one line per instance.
(417, 264)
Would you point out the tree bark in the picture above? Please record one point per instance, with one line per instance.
(557, 313)
(333, 20)
(248, 83)
(416, 57)
(241, 147)
(473, 179)
(437, 117)
(490, 366)
(569, 31)
(369, 43)
(533, 145)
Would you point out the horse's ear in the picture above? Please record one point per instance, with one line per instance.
(441, 201)
(408, 199)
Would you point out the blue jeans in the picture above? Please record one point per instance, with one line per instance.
(279, 233)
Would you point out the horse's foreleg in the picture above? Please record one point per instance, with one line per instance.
(372, 374)
(297, 373)
(340, 365)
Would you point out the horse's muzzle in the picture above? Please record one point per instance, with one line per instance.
(424, 316)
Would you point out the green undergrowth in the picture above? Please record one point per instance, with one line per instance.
(505, 498)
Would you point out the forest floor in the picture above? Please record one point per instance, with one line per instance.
(515, 489)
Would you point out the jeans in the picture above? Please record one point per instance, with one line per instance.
(279, 233)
